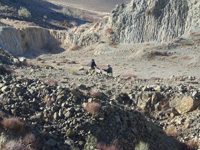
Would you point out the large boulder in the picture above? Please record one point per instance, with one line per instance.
(185, 104)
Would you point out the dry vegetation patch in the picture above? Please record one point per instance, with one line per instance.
(51, 82)
(94, 92)
(92, 107)
(129, 75)
(13, 124)
(75, 47)
(194, 34)
(109, 31)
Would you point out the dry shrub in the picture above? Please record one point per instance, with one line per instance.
(129, 75)
(177, 42)
(171, 131)
(147, 12)
(91, 49)
(156, 52)
(4, 100)
(101, 42)
(197, 41)
(48, 100)
(186, 43)
(74, 48)
(14, 145)
(112, 146)
(182, 146)
(193, 143)
(173, 57)
(12, 124)
(194, 34)
(109, 31)
(5, 53)
(163, 44)
(92, 107)
(113, 44)
(30, 140)
(95, 93)
(185, 57)
(163, 53)
(148, 44)
(164, 105)
(51, 82)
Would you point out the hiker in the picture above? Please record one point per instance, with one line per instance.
(109, 70)
(93, 65)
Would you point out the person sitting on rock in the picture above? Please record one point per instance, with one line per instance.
(109, 70)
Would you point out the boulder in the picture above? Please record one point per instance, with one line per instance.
(185, 104)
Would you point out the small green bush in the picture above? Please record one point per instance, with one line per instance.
(74, 72)
(66, 12)
(69, 12)
(23, 12)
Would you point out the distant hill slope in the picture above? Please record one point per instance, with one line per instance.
(95, 5)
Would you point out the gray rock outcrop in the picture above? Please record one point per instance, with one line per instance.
(154, 20)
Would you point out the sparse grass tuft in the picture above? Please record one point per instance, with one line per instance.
(92, 107)
(13, 124)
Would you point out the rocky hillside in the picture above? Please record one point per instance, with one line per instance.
(154, 20)
(136, 22)
(88, 113)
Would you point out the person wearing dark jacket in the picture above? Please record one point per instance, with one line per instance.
(93, 65)
(109, 70)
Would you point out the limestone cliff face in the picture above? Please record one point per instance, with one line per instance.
(19, 41)
(154, 20)
(35, 39)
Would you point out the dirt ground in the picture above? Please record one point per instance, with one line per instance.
(134, 60)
